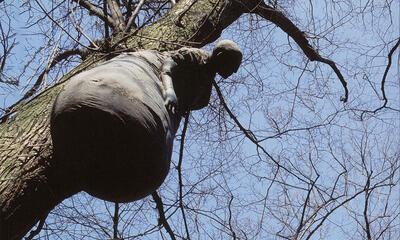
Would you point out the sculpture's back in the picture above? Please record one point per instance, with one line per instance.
(111, 130)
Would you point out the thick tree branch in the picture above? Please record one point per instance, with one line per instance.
(277, 17)
(115, 220)
(383, 81)
(116, 14)
(179, 168)
(389, 64)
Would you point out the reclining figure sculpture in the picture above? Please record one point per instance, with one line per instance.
(113, 126)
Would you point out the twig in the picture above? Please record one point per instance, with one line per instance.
(325, 217)
(161, 213)
(7, 48)
(115, 220)
(97, 12)
(389, 64)
(78, 28)
(365, 212)
(230, 218)
(278, 18)
(179, 168)
(62, 28)
(133, 16)
(387, 70)
(301, 224)
(250, 135)
(35, 232)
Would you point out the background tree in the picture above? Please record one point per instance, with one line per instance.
(275, 155)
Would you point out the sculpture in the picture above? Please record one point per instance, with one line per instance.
(113, 126)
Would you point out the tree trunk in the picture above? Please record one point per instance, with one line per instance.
(29, 185)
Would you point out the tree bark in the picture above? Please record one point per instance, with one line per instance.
(29, 184)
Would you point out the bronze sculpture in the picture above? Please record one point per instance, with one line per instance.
(113, 126)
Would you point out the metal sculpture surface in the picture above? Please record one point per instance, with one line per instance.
(113, 126)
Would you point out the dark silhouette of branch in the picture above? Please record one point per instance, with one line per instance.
(61, 27)
(387, 70)
(179, 168)
(39, 228)
(7, 45)
(305, 205)
(277, 17)
(233, 233)
(115, 220)
(161, 213)
(325, 217)
(389, 64)
(250, 135)
(365, 212)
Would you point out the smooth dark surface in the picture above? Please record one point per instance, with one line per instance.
(112, 132)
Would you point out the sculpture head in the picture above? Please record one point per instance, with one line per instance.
(226, 58)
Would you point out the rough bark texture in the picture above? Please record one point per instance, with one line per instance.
(29, 186)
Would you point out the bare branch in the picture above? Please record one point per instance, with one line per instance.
(115, 220)
(250, 135)
(8, 42)
(35, 232)
(179, 168)
(161, 213)
(62, 28)
(233, 233)
(94, 10)
(278, 18)
(387, 70)
(78, 28)
(116, 15)
(52, 62)
(306, 203)
(106, 30)
(134, 15)
(365, 212)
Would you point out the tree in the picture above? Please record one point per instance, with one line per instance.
(303, 172)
